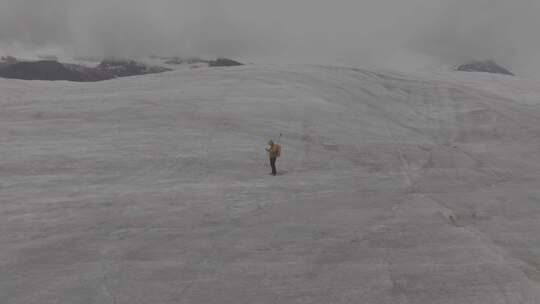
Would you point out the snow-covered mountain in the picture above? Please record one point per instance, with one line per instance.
(393, 188)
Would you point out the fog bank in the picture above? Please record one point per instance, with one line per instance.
(400, 33)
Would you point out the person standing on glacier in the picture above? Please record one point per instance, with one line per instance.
(274, 151)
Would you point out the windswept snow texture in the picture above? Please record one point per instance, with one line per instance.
(155, 189)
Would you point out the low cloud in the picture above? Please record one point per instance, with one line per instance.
(360, 32)
(498, 30)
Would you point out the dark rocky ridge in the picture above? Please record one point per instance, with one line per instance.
(125, 68)
(188, 60)
(54, 70)
(224, 62)
(40, 70)
(220, 62)
(488, 66)
(87, 74)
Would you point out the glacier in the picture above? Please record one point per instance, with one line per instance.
(393, 188)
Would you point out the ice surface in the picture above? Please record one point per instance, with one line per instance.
(155, 189)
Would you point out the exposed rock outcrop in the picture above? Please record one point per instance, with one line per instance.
(124, 68)
(40, 70)
(54, 70)
(224, 62)
(7, 60)
(488, 66)
(188, 60)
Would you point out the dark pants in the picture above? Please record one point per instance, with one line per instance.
(273, 165)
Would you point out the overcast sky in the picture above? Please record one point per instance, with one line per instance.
(360, 32)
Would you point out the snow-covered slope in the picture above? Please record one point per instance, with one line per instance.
(393, 188)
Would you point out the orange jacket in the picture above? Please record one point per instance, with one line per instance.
(274, 151)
